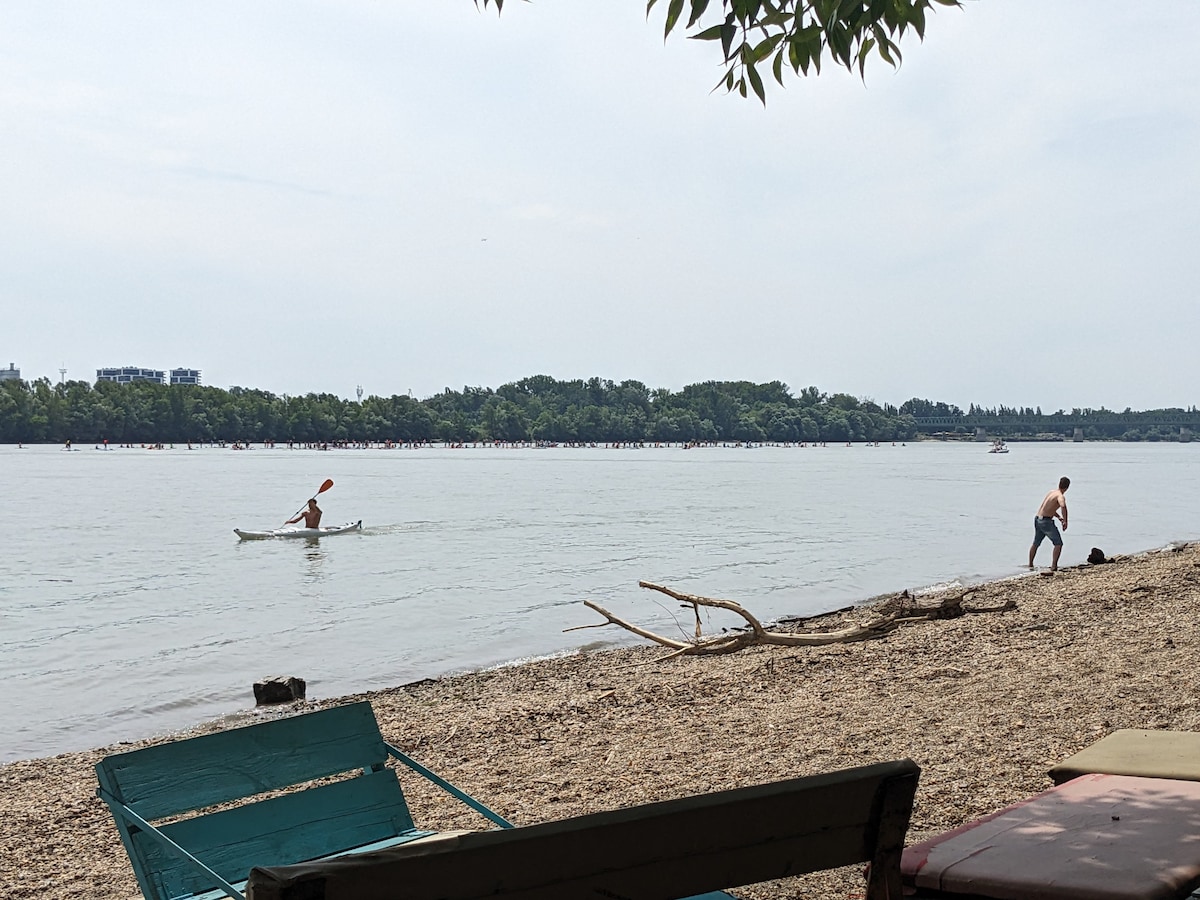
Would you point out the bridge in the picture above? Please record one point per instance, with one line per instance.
(1062, 423)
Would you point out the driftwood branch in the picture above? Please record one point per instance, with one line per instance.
(889, 615)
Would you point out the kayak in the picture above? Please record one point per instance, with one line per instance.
(328, 531)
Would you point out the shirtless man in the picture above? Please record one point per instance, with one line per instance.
(312, 517)
(1054, 506)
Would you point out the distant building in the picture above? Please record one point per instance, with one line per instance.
(185, 376)
(131, 373)
(12, 373)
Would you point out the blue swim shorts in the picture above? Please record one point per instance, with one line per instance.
(1046, 527)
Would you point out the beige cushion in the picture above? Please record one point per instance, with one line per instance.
(1134, 751)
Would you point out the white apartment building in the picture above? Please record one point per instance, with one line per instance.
(185, 376)
(127, 374)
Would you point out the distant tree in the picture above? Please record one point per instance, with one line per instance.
(928, 409)
(810, 396)
(844, 402)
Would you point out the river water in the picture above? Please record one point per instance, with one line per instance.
(129, 608)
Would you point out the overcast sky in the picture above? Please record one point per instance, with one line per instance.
(413, 195)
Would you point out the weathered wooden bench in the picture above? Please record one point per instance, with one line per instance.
(660, 851)
(208, 855)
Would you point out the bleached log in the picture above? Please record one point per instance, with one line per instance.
(901, 609)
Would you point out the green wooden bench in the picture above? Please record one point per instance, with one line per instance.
(660, 851)
(208, 855)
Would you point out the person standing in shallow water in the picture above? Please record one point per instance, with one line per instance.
(1054, 506)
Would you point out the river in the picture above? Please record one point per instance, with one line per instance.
(129, 608)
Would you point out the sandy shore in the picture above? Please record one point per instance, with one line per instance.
(983, 703)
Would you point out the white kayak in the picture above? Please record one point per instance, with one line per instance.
(299, 532)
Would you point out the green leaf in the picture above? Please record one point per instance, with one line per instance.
(918, 20)
(855, 18)
(728, 33)
(673, 11)
(698, 8)
(766, 47)
(778, 18)
(824, 11)
(756, 83)
(709, 34)
(863, 52)
(839, 45)
(885, 51)
(777, 68)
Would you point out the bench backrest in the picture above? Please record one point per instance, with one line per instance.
(181, 777)
(658, 851)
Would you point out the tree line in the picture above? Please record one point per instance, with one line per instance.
(539, 408)
(1097, 424)
(1030, 423)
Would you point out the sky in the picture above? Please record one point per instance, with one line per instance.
(409, 196)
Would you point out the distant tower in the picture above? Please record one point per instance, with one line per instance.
(62, 374)
(358, 391)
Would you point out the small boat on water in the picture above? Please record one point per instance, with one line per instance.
(327, 531)
(998, 446)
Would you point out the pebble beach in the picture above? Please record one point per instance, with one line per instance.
(984, 703)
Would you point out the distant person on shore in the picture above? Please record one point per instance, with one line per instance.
(1054, 506)
(312, 516)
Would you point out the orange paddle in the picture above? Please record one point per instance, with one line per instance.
(326, 485)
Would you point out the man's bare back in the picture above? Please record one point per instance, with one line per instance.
(1051, 504)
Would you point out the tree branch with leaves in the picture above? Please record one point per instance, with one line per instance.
(793, 34)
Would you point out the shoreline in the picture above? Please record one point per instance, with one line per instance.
(985, 704)
(621, 640)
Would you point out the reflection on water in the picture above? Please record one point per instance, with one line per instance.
(469, 559)
(315, 559)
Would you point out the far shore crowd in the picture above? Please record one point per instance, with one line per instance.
(466, 445)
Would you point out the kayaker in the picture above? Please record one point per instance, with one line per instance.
(311, 516)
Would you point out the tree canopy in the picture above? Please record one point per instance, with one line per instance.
(538, 408)
(796, 35)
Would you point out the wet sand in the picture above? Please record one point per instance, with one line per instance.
(985, 704)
